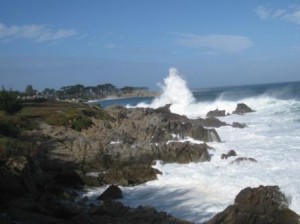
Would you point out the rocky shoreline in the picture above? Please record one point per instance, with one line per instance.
(120, 150)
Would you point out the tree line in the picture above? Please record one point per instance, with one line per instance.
(80, 91)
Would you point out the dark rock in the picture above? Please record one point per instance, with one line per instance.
(68, 178)
(229, 154)
(10, 186)
(183, 153)
(112, 192)
(243, 159)
(129, 175)
(262, 205)
(216, 113)
(201, 133)
(212, 122)
(238, 125)
(164, 109)
(19, 177)
(242, 108)
(116, 212)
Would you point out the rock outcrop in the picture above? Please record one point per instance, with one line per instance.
(238, 125)
(262, 205)
(216, 113)
(112, 192)
(116, 212)
(229, 154)
(242, 108)
(130, 138)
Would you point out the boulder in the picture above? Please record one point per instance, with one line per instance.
(216, 113)
(229, 154)
(262, 205)
(112, 192)
(238, 125)
(242, 108)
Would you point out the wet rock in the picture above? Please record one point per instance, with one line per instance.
(203, 134)
(116, 212)
(212, 122)
(262, 205)
(238, 125)
(229, 154)
(216, 113)
(129, 175)
(243, 159)
(183, 153)
(242, 108)
(112, 192)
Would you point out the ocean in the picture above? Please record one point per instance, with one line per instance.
(197, 191)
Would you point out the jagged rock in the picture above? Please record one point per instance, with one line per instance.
(242, 159)
(262, 205)
(112, 192)
(238, 125)
(242, 108)
(129, 175)
(116, 212)
(183, 153)
(131, 136)
(229, 154)
(216, 113)
(212, 122)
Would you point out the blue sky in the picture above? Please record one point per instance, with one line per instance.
(134, 42)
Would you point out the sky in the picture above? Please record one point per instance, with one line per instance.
(50, 44)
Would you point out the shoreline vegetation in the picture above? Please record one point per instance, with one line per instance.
(81, 93)
(49, 147)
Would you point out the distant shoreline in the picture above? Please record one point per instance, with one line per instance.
(114, 97)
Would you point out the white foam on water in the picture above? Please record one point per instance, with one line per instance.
(197, 191)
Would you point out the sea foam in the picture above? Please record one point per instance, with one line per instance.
(197, 191)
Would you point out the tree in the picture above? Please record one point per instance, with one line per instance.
(9, 102)
(29, 91)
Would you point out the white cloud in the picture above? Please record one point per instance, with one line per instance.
(278, 13)
(290, 14)
(217, 43)
(293, 17)
(262, 12)
(34, 32)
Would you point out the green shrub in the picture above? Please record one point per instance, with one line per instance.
(57, 119)
(9, 102)
(81, 122)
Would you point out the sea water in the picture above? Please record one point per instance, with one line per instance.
(197, 191)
